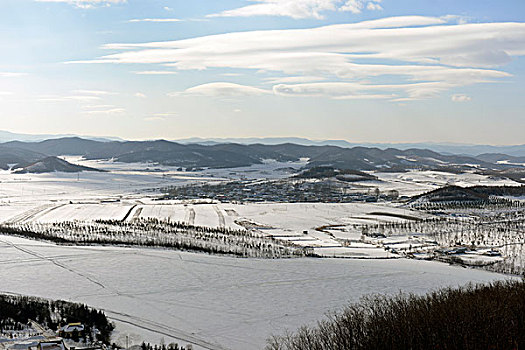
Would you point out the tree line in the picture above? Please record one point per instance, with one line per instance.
(152, 232)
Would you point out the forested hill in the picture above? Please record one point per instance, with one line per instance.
(17, 311)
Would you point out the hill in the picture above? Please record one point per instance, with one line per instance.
(444, 148)
(451, 194)
(500, 157)
(6, 136)
(52, 164)
(467, 195)
(10, 157)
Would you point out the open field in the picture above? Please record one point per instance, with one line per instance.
(215, 302)
(304, 224)
(127, 191)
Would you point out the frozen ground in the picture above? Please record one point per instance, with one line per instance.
(213, 302)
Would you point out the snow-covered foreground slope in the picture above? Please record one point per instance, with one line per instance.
(214, 302)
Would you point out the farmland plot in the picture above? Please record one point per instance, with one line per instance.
(172, 212)
(86, 212)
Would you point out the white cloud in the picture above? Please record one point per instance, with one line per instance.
(160, 20)
(82, 98)
(156, 72)
(299, 8)
(154, 119)
(298, 79)
(286, 8)
(170, 114)
(79, 98)
(221, 89)
(112, 111)
(11, 74)
(354, 6)
(94, 92)
(77, 95)
(410, 39)
(140, 95)
(231, 74)
(414, 49)
(461, 98)
(334, 90)
(97, 106)
(86, 3)
(81, 95)
(5, 93)
(345, 90)
(161, 116)
(372, 6)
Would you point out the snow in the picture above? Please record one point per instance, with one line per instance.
(175, 213)
(286, 221)
(206, 215)
(85, 212)
(215, 302)
(211, 301)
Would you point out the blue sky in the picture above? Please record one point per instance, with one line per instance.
(360, 70)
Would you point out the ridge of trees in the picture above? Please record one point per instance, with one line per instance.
(472, 317)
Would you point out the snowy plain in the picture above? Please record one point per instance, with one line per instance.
(210, 301)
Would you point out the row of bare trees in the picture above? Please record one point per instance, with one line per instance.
(159, 233)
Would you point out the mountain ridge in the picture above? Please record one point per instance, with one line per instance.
(441, 147)
(230, 155)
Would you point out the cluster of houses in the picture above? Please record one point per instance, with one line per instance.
(47, 340)
(287, 190)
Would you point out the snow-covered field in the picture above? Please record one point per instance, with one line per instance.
(210, 301)
(136, 180)
(305, 224)
(213, 302)
(127, 191)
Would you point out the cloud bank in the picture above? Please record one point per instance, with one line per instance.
(87, 3)
(299, 9)
(222, 89)
(426, 55)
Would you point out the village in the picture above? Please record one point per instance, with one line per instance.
(72, 336)
(33, 336)
(282, 191)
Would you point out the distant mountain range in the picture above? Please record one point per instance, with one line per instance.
(51, 164)
(6, 136)
(444, 148)
(229, 155)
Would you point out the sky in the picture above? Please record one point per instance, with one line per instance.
(358, 70)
